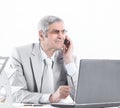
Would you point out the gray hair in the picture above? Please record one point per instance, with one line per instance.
(46, 21)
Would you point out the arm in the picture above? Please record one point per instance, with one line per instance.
(16, 74)
(71, 65)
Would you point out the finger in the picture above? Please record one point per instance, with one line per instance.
(64, 49)
(65, 91)
(66, 87)
(64, 95)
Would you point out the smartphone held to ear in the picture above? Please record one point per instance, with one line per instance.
(67, 43)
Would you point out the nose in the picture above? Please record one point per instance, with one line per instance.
(61, 35)
(59, 32)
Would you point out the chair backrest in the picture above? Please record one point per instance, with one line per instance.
(3, 61)
(5, 90)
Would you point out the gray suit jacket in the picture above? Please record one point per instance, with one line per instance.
(25, 73)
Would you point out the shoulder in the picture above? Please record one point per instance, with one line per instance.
(24, 50)
(25, 47)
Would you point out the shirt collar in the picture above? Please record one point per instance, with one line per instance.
(44, 56)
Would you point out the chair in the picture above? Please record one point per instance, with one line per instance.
(3, 61)
(5, 90)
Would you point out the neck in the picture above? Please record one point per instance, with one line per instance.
(48, 52)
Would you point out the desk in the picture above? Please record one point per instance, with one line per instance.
(43, 106)
(18, 105)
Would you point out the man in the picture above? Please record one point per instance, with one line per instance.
(27, 65)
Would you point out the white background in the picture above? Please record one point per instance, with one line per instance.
(94, 25)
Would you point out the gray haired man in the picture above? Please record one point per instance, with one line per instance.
(27, 65)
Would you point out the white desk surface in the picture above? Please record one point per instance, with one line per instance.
(43, 106)
(20, 105)
(16, 105)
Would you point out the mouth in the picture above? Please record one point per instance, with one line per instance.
(61, 42)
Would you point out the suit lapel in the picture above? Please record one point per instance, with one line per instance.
(36, 65)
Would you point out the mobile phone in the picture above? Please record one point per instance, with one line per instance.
(67, 43)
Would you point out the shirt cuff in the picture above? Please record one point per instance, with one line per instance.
(71, 69)
(45, 98)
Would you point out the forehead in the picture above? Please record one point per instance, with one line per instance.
(57, 25)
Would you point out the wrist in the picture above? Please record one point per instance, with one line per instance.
(51, 99)
(68, 60)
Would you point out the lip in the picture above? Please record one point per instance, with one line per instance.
(59, 41)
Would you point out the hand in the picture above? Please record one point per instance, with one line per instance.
(61, 93)
(68, 51)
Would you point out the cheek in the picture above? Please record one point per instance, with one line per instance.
(50, 42)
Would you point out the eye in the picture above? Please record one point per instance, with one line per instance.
(64, 31)
(56, 31)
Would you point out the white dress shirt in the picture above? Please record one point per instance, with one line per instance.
(71, 69)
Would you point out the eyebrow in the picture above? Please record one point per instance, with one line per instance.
(59, 30)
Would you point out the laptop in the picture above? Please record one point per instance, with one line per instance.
(98, 85)
(5, 90)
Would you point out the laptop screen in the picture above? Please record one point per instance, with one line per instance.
(98, 82)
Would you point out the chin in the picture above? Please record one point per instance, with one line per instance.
(58, 48)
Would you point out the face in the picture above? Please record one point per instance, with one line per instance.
(55, 37)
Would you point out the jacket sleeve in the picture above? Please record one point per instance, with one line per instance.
(15, 72)
(73, 71)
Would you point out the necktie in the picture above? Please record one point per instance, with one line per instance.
(48, 80)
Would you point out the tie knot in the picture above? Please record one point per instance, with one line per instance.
(48, 61)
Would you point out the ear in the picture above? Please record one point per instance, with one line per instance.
(41, 37)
